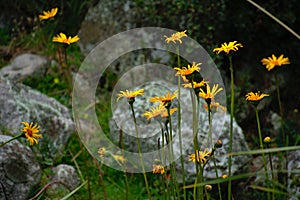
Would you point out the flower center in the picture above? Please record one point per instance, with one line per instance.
(29, 132)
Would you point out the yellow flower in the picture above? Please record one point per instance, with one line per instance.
(158, 110)
(210, 94)
(267, 140)
(130, 94)
(56, 80)
(272, 62)
(255, 96)
(101, 151)
(30, 132)
(158, 169)
(154, 111)
(48, 14)
(215, 105)
(200, 157)
(176, 36)
(228, 47)
(189, 70)
(164, 99)
(119, 158)
(195, 84)
(165, 113)
(62, 38)
(225, 176)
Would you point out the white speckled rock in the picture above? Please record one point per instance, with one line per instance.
(67, 175)
(19, 170)
(25, 65)
(21, 103)
(150, 131)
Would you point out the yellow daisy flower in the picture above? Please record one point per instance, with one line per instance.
(62, 38)
(195, 84)
(158, 110)
(31, 132)
(267, 140)
(176, 36)
(164, 99)
(200, 157)
(215, 105)
(185, 71)
(101, 151)
(271, 62)
(231, 46)
(130, 94)
(48, 14)
(154, 111)
(210, 94)
(158, 169)
(165, 113)
(119, 158)
(255, 97)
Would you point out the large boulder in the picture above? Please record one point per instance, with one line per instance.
(65, 179)
(150, 132)
(102, 21)
(25, 65)
(19, 170)
(20, 103)
(292, 175)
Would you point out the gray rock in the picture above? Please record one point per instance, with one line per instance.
(25, 65)
(293, 168)
(293, 175)
(150, 131)
(19, 170)
(68, 177)
(21, 103)
(102, 21)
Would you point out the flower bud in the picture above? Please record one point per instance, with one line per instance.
(208, 187)
(218, 144)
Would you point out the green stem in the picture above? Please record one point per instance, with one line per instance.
(272, 173)
(14, 138)
(195, 140)
(179, 128)
(121, 145)
(173, 165)
(231, 124)
(101, 180)
(262, 147)
(280, 110)
(139, 151)
(213, 155)
(284, 137)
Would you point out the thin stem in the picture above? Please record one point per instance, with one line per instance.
(231, 124)
(280, 110)
(14, 138)
(195, 108)
(284, 137)
(262, 147)
(101, 179)
(272, 173)
(121, 145)
(213, 155)
(139, 151)
(179, 128)
(274, 18)
(173, 166)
